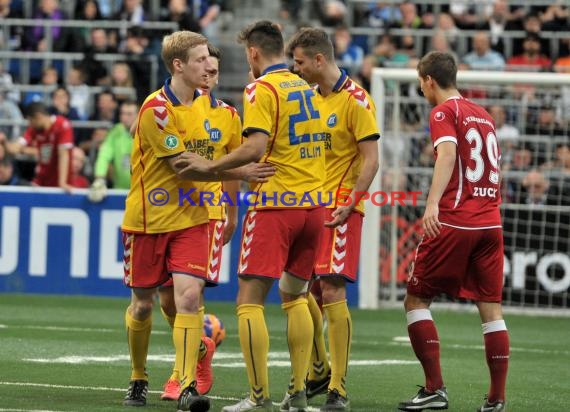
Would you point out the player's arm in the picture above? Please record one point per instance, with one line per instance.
(63, 155)
(442, 171)
(368, 151)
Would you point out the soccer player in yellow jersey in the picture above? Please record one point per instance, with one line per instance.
(351, 149)
(221, 135)
(165, 230)
(282, 231)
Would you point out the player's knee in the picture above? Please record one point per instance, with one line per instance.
(291, 285)
(166, 299)
(333, 289)
(141, 309)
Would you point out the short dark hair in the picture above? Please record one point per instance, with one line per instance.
(214, 51)
(36, 107)
(439, 66)
(312, 41)
(264, 35)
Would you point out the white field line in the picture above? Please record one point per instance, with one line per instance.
(276, 359)
(26, 410)
(405, 341)
(75, 329)
(101, 388)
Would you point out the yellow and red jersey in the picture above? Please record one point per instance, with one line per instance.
(348, 117)
(221, 135)
(158, 200)
(283, 106)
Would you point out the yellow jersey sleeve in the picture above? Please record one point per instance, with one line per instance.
(157, 129)
(259, 108)
(362, 116)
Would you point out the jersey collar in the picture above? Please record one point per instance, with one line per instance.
(274, 68)
(211, 96)
(172, 97)
(341, 81)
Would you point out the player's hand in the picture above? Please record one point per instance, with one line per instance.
(66, 188)
(97, 191)
(257, 172)
(229, 230)
(430, 221)
(340, 215)
(191, 162)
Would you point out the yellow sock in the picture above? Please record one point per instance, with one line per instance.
(203, 349)
(186, 336)
(138, 335)
(340, 337)
(300, 339)
(254, 341)
(175, 376)
(319, 367)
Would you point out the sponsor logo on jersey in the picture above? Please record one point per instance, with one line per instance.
(171, 141)
(207, 125)
(331, 121)
(215, 135)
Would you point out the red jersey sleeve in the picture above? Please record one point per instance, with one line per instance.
(443, 125)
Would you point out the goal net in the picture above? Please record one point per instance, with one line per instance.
(533, 110)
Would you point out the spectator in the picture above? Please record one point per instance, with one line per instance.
(440, 43)
(178, 11)
(555, 17)
(290, 9)
(501, 20)
(95, 70)
(206, 12)
(380, 14)
(9, 110)
(531, 24)
(331, 13)
(122, 76)
(503, 130)
(446, 24)
(80, 98)
(49, 80)
(77, 178)
(364, 76)
(545, 123)
(483, 57)
(522, 160)
(6, 83)
(348, 54)
(115, 152)
(15, 34)
(87, 10)
(137, 49)
(534, 190)
(531, 58)
(60, 104)
(132, 11)
(106, 111)
(8, 175)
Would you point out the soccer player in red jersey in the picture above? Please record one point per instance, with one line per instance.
(50, 139)
(461, 253)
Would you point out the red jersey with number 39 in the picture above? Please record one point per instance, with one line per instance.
(471, 199)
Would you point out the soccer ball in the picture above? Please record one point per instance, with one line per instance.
(214, 328)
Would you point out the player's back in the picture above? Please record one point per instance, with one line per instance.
(472, 197)
(282, 105)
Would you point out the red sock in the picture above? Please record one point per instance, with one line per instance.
(424, 339)
(497, 353)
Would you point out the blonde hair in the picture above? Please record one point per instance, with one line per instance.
(178, 45)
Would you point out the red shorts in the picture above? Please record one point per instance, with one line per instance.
(339, 249)
(277, 240)
(150, 259)
(462, 263)
(215, 245)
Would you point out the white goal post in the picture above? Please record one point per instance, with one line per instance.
(370, 260)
